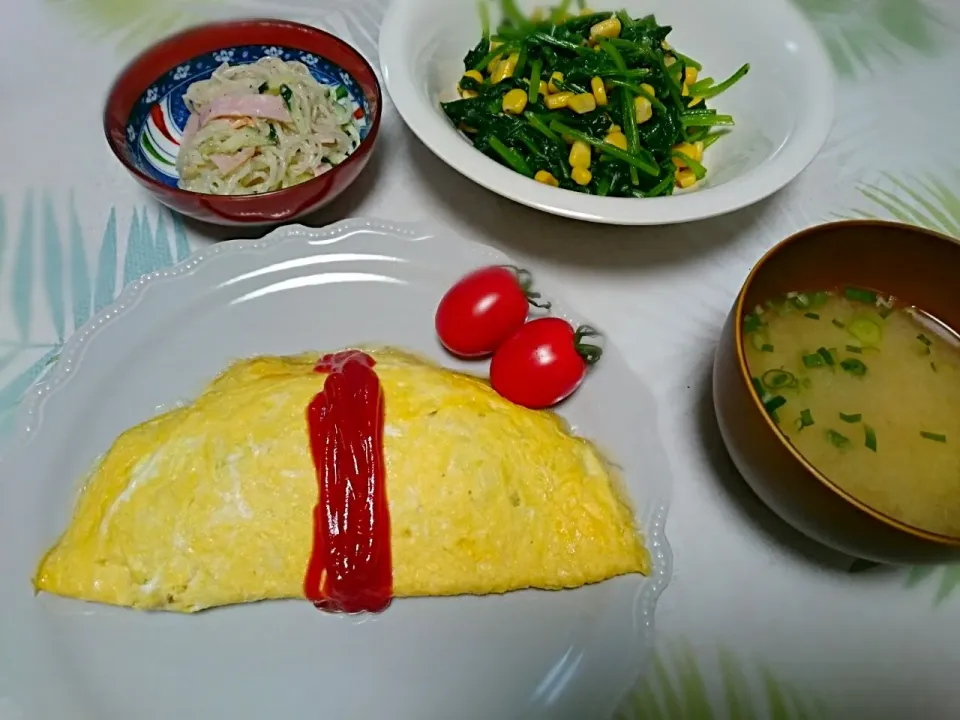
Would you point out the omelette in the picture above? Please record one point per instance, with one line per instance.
(212, 503)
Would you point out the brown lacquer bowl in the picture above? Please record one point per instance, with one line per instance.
(916, 265)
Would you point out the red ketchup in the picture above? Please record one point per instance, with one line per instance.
(350, 567)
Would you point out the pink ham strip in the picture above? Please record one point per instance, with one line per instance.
(270, 107)
(228, 163)
(190, 129)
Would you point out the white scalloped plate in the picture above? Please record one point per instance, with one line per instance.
(569, 654)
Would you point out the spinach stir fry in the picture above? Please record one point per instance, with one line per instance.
(597, 102)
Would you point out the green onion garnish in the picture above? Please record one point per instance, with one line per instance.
(812, 316)
(806, 419)
(758, 387)
(837, 440)
(272, 136)
(866, 331)
(870, 438)
(813, 360)
(819, 298)
(854, 349)
(800, 301)
(936, 437)
(751, 323)
(287, 94)
(855, 418)
(838, 323)
(825, 354)
(924, 339)
(263, 88)
(866, 296)
(340, 93)
(776, 379)
(766, 347)
(933, 366)
(854, 366)
(777, 401)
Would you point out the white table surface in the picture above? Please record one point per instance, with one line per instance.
(758, 621)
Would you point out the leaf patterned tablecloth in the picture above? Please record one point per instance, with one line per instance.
(758, 622)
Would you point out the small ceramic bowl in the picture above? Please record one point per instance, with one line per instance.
(783, 108)
(145, 115)
(905, 261)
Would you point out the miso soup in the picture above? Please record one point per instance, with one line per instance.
(868, 391)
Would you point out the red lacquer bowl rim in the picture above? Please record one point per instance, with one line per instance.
(147, 58)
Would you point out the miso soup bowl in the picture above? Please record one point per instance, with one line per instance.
(916, 265)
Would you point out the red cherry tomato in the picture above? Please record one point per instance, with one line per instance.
(483, 309)
(543, 362)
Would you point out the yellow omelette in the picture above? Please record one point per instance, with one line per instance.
(212, 503)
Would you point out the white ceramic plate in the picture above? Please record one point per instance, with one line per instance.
(783, 108)
(568, 654)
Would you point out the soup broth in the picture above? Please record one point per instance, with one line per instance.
(868, 391)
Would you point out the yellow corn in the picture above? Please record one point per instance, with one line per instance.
(555, 76)
(695, 101)
(687, 149)
(609, 28)
(474, 74)
(599, 92)
(665, 45)
(558, 100)
(582, 103)
(579, 155)
(699, 146)
(546, 178)
(690, 75)
(469, 94)
(669, 60)
(505, 68)
(613, 129)
(617, 139)
(515, 101)
(685, 178)
(642, 109)
(495, 60)
(581, 176)
(543, 88)
(647, 87)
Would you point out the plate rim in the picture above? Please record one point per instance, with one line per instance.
(28, 417)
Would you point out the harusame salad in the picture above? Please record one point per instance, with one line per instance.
(597, 102)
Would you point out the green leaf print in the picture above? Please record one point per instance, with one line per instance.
(676, 690)
(49, 301)
(134, 23)
(864, 35)
(924, 201)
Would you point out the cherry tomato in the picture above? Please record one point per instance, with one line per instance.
(483, 309)
(543, 362)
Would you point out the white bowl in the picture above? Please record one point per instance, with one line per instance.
(783, 108)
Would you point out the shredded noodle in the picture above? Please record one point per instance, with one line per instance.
(260, 127)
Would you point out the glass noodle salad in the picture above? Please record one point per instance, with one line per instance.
(262, 126)
(597, 102)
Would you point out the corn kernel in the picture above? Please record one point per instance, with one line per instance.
(669, 60)
(474, 74)
(613, 129)
(550, 85)
(515, 101)
(609, 28)
(688, 150)
(582, 103)
(579, 155)
(665, 45)
(648, 88)
(642, 109)
(690, 75)
(599, 92)
(505, 68)
(558, 100)
(469, 94)
(694, 102)
(617, 139)
(699, 146)
(543, 88)
(546, 178)
(495, 60)
(581, 176)
(685, 178)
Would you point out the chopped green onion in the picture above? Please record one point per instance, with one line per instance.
(866, 331)
(866, 296)
(806, 419)
(272, 135)
(838, 323)
(776, 379)
(870, 438)
(287, 94)
(837, 440)
(752, 323)
(533, 91)
(936, 437)
(340, 93)
(825, 354)
(855, 418)
(800, 301)
(854, 349)
(924, 339)
(777, 401)
(933, 366)
(758, 387)
(813, 360)
(819, 298)
(812, 316)
(854, 367)
(766, 347)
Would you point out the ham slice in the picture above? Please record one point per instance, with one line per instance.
(190, 129)
(270, 107)
(228, 163)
